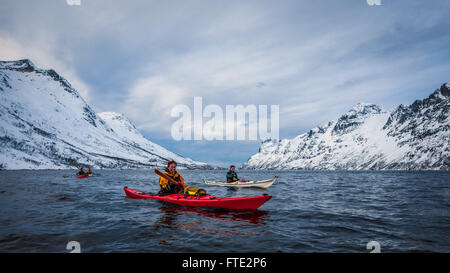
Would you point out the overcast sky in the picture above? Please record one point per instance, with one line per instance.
(316, 59)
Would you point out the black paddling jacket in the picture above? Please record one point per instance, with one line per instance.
(232, 176)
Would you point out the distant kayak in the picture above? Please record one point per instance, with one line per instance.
(83, 176)
(207, 201)
(247, 184)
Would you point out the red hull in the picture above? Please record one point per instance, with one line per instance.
(206, 201)
(82, 176)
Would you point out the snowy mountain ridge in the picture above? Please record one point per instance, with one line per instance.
(46, 124)
(414, 137)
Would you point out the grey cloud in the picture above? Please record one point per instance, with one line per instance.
(315, 59)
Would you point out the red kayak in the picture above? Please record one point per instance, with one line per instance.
(83, 176)
(207, 201)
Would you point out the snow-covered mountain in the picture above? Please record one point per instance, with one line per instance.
(46, 124)
(414, 137)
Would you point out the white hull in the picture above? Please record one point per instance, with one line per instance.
(238, 184)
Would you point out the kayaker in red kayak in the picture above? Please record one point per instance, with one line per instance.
(89, 171)
(232, 175)
(167, 186)
(81, 172)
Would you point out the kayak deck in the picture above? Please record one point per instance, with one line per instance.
(252, 202)
(257, 184)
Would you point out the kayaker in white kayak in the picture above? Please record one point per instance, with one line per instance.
(232, 175)
(166, 185)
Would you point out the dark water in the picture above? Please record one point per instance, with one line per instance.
(311, 211)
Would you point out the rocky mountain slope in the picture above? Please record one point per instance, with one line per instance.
(413, 137)
(46, 124)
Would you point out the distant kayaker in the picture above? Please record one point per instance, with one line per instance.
(232, 175)
(166, 185)
(81, 172)
(89, 171)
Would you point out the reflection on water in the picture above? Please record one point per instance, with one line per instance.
(210, 220)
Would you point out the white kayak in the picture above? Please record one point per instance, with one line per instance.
(247, 184)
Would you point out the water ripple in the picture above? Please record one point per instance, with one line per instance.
(311, 211)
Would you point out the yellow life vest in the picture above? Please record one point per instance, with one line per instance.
(163, 183)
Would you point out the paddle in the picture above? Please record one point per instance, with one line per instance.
(78, 169)
(158, 172)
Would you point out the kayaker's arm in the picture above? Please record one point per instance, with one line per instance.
(179, 184)
(163, 183)
(182, 181)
